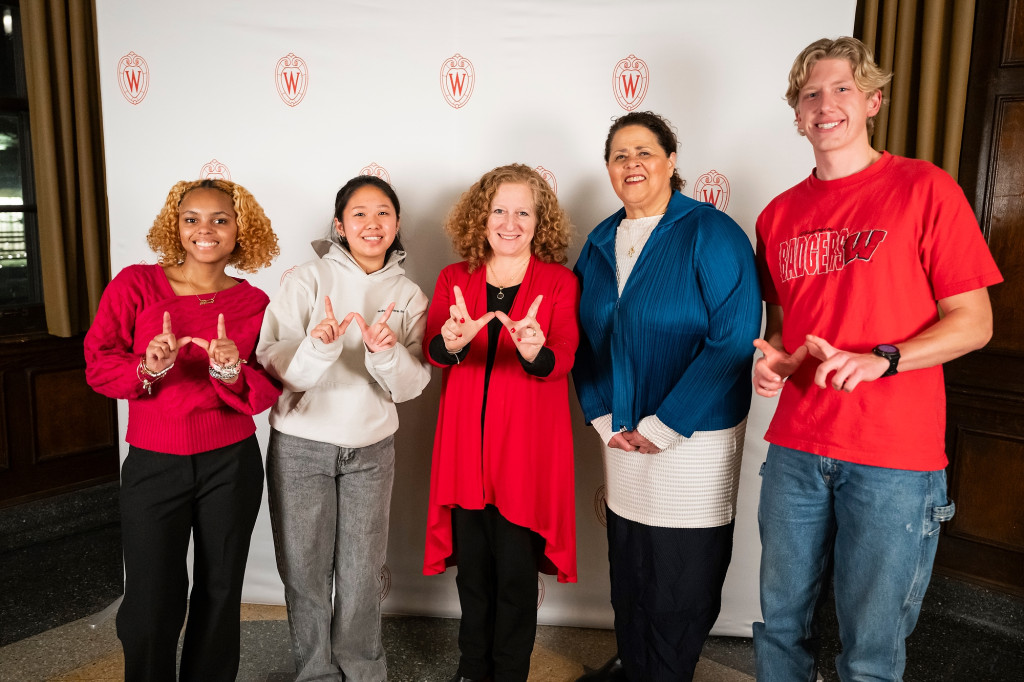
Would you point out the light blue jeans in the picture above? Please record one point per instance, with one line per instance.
(329, 510)
(876, 528)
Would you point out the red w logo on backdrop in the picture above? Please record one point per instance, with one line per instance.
(457, 80)
(376, 171)
(712, 187)
(291, 77)
(215, 170)
(549, 177)
(133, 77)
(629, 82)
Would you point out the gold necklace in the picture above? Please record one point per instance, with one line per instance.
(501, 287)
(202, 301)
(632, 247)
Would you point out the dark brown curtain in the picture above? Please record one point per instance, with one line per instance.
(67, 150)
(927, 46)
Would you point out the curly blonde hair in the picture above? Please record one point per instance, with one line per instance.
(467, 222)
(255, 243)
(867, 75)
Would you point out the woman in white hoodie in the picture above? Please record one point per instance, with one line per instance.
(343, 335)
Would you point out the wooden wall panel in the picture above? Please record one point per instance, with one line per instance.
(989, 470)
(984, 542)
(58, 434)
(5, 458)
(1006, 225)
(68, 417)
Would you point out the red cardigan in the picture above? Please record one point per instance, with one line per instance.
(189, 411)
(524, 467)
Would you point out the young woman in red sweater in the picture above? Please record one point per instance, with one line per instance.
(177, 341)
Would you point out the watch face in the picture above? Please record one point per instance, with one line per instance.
(887, 348)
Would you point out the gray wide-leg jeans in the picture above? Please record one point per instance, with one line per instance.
(329, 509)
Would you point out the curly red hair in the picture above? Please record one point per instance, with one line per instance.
(467, 222)
(255, 243)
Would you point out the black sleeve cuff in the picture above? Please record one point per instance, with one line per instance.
(542, 365)
(440, 354)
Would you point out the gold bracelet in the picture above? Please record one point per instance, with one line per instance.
(150, 377)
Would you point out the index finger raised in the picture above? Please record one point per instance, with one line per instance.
(167, 322)
(222, 330)
(460, 302)
(534, 307)
(387, 313)
(328, 308)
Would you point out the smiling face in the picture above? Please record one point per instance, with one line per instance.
(369, 224)
(207, 225)
(833, 113)
(640, 171)
(512, 221)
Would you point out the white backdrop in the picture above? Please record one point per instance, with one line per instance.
(292, 99)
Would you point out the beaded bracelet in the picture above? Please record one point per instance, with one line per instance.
(150, 377)
(226, 372)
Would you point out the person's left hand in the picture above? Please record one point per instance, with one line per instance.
(850, 368)
(526, 333)
(221, 350)
(377, 336)
(642, 445)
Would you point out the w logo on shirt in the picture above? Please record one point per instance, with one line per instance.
(820, 252)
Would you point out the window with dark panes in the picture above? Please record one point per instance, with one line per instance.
(21, 297)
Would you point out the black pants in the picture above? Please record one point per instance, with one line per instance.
(215, 497)
(497, 583)
(667, 593)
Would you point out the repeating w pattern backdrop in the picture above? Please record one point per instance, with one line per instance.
(293, 99)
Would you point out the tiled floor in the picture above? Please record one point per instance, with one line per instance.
(418, 649)
(60, 565)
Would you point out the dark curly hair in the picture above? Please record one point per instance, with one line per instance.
(255, 243)
(467, 222)
(662, 130)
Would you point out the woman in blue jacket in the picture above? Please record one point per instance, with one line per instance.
(668, 308)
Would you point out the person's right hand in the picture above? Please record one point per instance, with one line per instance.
(163, 349)
(330, 330)
(772, 370)
(619, 441)
(460, 328)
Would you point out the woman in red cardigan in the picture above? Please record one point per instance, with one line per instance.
(503, 326)
(177, 340)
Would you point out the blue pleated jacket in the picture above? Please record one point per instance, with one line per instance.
(678, 343)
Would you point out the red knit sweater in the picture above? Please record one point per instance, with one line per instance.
(189, 411)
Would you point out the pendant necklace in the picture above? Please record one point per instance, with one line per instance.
(501, 287)
(202, 301)
(644, 232)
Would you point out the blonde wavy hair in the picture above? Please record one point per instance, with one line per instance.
(255, 243)
(467, 222)
(867, 76)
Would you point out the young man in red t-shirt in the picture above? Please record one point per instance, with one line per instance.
(874, 273)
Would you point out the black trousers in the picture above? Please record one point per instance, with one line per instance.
(215, 497)
(497, 582)
(667, 593)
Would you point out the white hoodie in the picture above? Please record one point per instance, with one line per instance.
(341, 393)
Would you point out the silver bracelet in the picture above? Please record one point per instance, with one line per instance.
(226, 372)
(148, 377)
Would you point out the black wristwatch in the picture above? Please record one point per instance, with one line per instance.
(890, 353)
